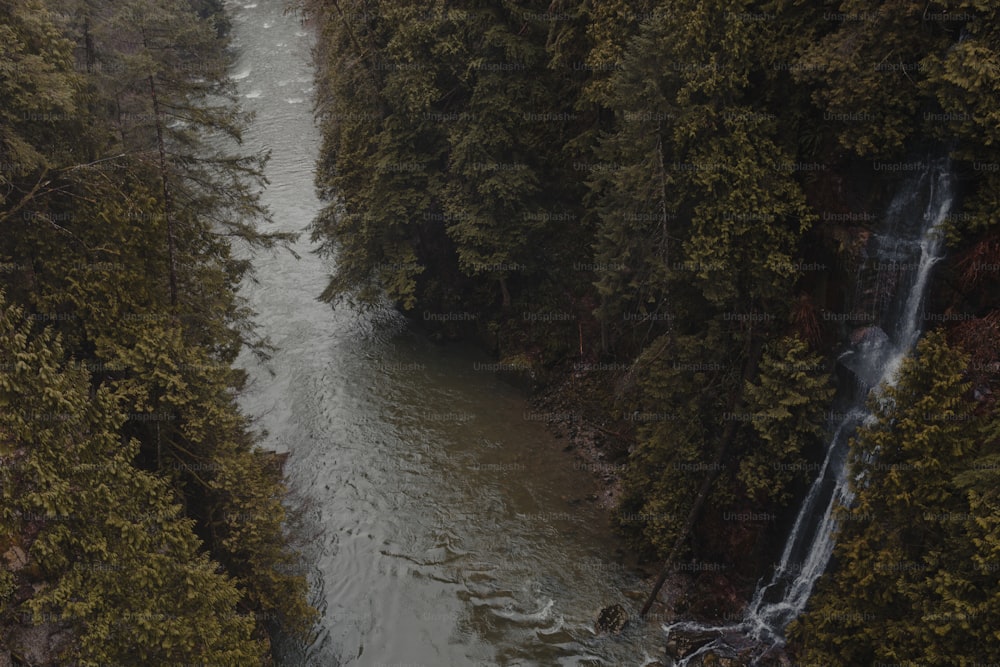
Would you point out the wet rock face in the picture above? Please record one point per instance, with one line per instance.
(612, 620)
(39, 645)
(736, 650)
(683, 645)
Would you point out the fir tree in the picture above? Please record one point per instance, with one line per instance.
(112, 553)
(913, 577)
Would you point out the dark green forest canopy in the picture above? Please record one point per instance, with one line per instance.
(154, 527)
(682, 189)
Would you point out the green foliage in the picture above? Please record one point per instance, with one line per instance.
(120, 562)
(680, 411)
(869, 69)
(702, 194)
(250, 524)
(37, 86)
(898, 71)
(118, 224)
(378, 158)
(442, 134)
(915, 575)
(787, 404)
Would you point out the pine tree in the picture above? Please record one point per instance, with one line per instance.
(37, 99)
(679, 414)
(913, 577)
(700, 224)
(786, 407)
(112, 553)
(382, 147)
(141, 281)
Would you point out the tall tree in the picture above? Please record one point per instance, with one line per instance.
(142, 281)
(700, 222)
(106, 542)
(786, 406)
(913, 577)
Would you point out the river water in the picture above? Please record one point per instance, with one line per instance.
(450, 527)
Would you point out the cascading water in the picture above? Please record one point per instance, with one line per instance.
(898, 268)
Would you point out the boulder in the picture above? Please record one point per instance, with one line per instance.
(612, 620)
(15, 558)
(872, 336)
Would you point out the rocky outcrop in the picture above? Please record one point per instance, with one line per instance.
(38, 645)
(728, 649)
(612, 620)
(21, 641)
(684, 644)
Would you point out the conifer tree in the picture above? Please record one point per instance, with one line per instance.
(914, 576)
(786, 406)
(113, 554)
(679, 411)
(104, 242)
(700, 222)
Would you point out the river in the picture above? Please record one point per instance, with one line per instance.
(451, 527)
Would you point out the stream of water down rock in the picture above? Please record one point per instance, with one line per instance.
(450, 528)
(890, 296)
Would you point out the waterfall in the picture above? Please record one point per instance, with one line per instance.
(898, 268)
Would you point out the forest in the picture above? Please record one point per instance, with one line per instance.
(139, 522)
(662, 213)
(664, 208)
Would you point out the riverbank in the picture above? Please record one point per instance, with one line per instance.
(572, 409)
(576, 406)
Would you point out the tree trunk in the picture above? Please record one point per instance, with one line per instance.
(168, 200)
(749, 369)
(504, 292)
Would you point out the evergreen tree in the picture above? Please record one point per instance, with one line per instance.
(496, 197)
(382, 147)
(786, 407)
(680, 412)
(914, 575)
(127, 251)
(700, 223)
(38, 90)
(112, 553)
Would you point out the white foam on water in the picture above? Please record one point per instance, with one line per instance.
(542, 614)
